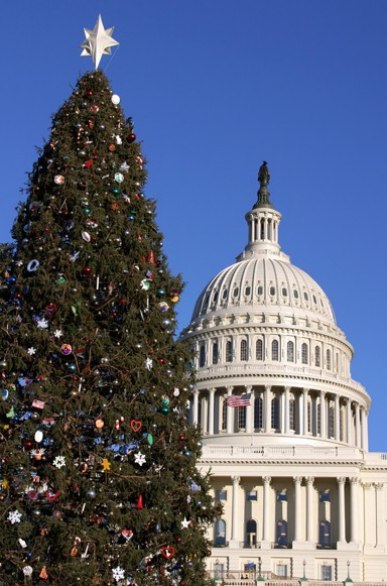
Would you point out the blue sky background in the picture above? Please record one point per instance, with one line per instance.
(215, 87)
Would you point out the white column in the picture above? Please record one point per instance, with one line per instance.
(305, 393)
(195, 407)
(323, 415)
(235, 508)
(266, 509)
(337, 418)
(250, 411)
(204, 413)
(309, 512)
(354, 510)
(341, 483)
(267, 409)
(230, 413)
(357, 419)
(365, 429)
(349, 421)
(287, 394)
(379, 514)
(211, 411)
(297, 508)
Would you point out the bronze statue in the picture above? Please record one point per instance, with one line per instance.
(263, 191)
(264, 174)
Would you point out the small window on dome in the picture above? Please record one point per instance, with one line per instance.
(306, 296)
(295, 293)
(248, 290)
(260, 290)
(314, 299)
(215, 297)
(225, 291)
(272, 290)
(236, 292)
(284, 292)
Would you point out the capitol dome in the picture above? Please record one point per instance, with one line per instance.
(264, 329)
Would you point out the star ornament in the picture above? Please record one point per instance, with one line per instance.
(98, 42)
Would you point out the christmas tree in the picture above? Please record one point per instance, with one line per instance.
(99, 483)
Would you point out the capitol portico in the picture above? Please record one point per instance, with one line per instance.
(284, 426)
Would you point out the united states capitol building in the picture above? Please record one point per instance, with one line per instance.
(284, 425)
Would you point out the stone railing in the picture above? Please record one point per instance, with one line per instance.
(288, 452)
(250, 581)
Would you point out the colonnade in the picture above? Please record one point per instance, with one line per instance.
(305, 515)
(285, 410)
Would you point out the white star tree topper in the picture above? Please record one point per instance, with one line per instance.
(98, 42)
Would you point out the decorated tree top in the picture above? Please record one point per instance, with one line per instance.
(99, 483)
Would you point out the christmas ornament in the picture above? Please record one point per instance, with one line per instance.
(31, 351)
(59, 462)
(43, 573)
(140, 459)
(168, 551)
(139, 504)
(185, 523)
(99, 423)
(135, 425)
(38, 437)
(124, 167)
(58, 333)
(118, 573)
(118, 178)
(116, 99)
(33, 265)
(14, 517)
(42, 323)
(86, 236)
(105, 465)
(59, 179)
(98, 42)
(149, 363)
(66, 349)
(27, 570)
(131, 137)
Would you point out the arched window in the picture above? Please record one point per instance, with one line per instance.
(244, 353)
(220, 533)
(202, 355)
(275, 413)
(241, 417)
(275, 350)
(251, 531)
(304, 353)
(282, 533)
(292, 414)
(224, 415)
(258, 414)
(290, 351)
(331, 420)
(325, 534)
(229, 351)
(259, 349)
(215, 353)
(329, 361)
(317, 356)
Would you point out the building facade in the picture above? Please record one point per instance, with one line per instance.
(284, 425)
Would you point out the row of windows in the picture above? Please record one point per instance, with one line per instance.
(260, 354)
(260, 290)
(281, 495)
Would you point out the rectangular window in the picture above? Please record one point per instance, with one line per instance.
(282, 570)
(251, 495)
(326, 572)
(282, 495)
(241, 417)
(221, 495)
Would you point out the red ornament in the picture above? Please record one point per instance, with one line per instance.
(135, 425)
(139, 504)
(88, 164)
(86, 271)
(168, 551)
(131, 137)
(51, 308)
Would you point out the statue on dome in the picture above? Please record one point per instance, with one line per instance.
(263, 192)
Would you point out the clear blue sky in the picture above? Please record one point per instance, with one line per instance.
(215, 87)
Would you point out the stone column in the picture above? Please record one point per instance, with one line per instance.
(323, 415)
(195, 415)
(354, 511)
(235, 508)
(287, 395)
(267, 409)
(203, 413)
(365, 429)
(309, 513)
(266, 511)
(337, 418)
(379, 515)
(250, 411)
(230, 413)
(297, 508)
(341, 482)
(349, 421)
(357, 430)
(305, 394)
(211, 411)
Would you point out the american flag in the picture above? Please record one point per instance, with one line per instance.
(239, 400)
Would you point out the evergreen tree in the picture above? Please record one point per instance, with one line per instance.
(98, 482)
